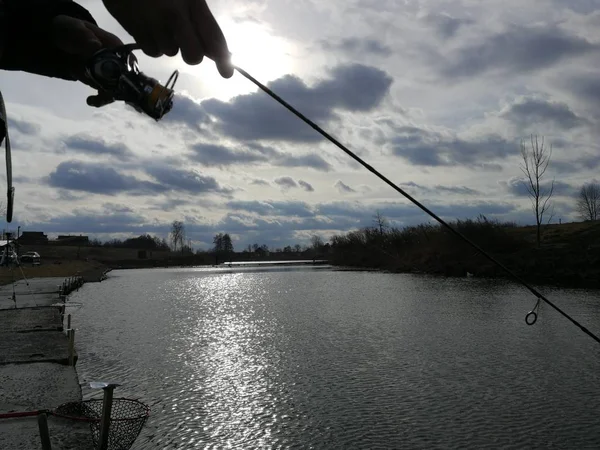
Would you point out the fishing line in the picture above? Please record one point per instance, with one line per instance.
(531, 316)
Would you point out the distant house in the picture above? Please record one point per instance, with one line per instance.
(72, 240)
(33, 238)
(5, 242)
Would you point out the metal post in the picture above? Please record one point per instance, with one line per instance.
(69, 322)
(105, 421)
(44, 433)
(71, 334)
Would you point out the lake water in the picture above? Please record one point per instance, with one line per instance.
(310, 357)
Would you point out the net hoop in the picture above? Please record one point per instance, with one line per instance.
(127, 418)
(87, 412)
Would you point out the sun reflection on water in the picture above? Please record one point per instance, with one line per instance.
(227, 360)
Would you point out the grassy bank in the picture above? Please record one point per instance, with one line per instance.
(569, 255)
(92, 262)
(90, 271)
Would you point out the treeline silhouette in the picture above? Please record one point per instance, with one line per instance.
(145, 242)
(569, 254)
(428, 248)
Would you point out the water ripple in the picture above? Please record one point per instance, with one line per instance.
(325, 359)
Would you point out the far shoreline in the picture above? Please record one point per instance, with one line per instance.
(553, 282)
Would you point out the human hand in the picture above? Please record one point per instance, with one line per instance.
(82, 39)
(163, 27)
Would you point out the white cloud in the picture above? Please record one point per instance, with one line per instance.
(436, 94)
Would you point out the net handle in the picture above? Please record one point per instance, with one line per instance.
(18, 414)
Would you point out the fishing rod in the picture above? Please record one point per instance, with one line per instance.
(116, 71)
(531, 316)
(10, 190)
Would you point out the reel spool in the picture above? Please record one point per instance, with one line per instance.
(116, 71)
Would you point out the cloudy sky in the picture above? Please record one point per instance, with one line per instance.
(436, 94)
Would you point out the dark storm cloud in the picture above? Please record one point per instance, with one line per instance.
(174, 202)
(445, 25)
(212, 155)
(586, 87)
(98, 179)
(437, 189)
(243, 224)
(343, 188)
(519, 188)
(356, 46)
(185, 180)
(92, 145)
(116, 207)
(285, 182)
(98, 222)
(186, 112)
(517, 49)
(311, 160)
(306, 186)
(580, 6)
(429, 148)
(410, 214)
(583, 163)
(256, 116)
(530, 111)
(260, 182)
(463, 190)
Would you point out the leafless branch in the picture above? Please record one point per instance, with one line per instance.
(535, 164)
(588, 201)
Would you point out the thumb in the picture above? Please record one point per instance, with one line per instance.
(100, 100)
(225, 66)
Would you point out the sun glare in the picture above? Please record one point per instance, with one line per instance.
(253, 49)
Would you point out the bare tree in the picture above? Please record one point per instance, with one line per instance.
(381, 222)
(588, 202)
(177, 234)
(535, 164)
(316, 241)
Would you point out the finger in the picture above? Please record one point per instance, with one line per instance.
(100, 100)
(147, 44)
(107, 39)
(212, 37)
(225, 67)
(73, 37)
(191, 47)
(166, 41)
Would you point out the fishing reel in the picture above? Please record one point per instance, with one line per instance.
(116, 71)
